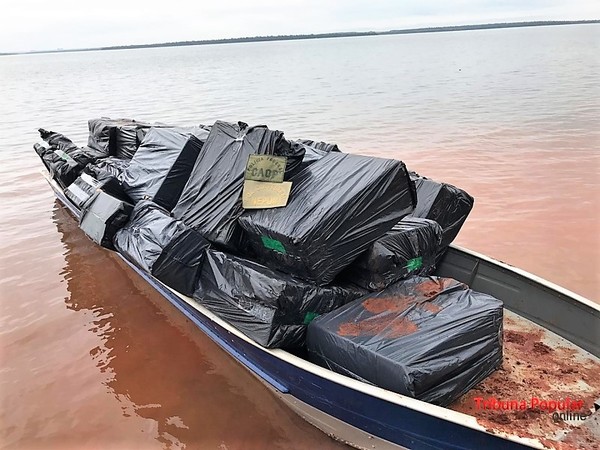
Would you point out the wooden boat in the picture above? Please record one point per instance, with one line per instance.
(551, 353)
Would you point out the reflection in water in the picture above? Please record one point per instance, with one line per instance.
(159, 366)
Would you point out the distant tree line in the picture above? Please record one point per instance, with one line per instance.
(291, 37)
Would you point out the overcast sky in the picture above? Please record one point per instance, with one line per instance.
(43, 25)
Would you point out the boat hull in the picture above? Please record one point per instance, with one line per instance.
(356, 413)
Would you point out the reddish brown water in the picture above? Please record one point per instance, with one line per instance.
(91, 358)
(539, 211)
(113, 365)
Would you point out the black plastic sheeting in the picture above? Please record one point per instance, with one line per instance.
(269, 307)
(63, 159)
(429, 338)
(313, 151)
(57, 140)
(61, 167)
(85, 186)
(102, 216)
(338, 207)
(149, 230)
(82, 189)
(181, 261)
(408, 249)
(446, 204)
(116, 137)
(162, 246)
(211, 201)
(109, 167)
(161, 166)
(322, 146)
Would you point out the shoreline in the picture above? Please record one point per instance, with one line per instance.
(296, 37)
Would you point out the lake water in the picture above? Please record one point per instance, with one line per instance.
(92, 358)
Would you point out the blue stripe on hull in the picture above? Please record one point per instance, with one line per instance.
(389, 421)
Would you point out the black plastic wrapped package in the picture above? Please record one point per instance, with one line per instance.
(161, 166)
(85, 186)
(57, 140)
(64, 166)
(211, 201)
(116, 137)
(338, 207)
(102, 216)
(149, 230)
(60, 165)
(270, 307)
(408, 249)
(428, 338)
(313, 151)
(101, 135)
(318, 145)
(63, 159)
(127, 140)
(109, 167)
(82, 189)
(162, 246)
(180, 264)
(40, 150)
(446, 204)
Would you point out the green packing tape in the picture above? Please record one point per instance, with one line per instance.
(414, 264)
(308, 318)
(273, 244)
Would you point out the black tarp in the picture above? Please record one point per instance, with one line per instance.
(429, 338)
(338, 206)
(162, 246)
(211, 201)
(116, 137)
(161, 166)
(408, 249)
(102, 216)
(446, 204)
(270, 307)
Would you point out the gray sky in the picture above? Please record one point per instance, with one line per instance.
(42, 25)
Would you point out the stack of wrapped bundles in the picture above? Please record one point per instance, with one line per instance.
(211, 201)
(162, 246)
(63, 159)
(408, 249)
(269, 307)
(116, 137)
(338, 207)
(162, 165)
(102, 216)
(428, 338)
(108, 167)
(85, 186)
(446, 204)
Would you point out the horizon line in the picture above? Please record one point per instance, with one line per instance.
(291, 37)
